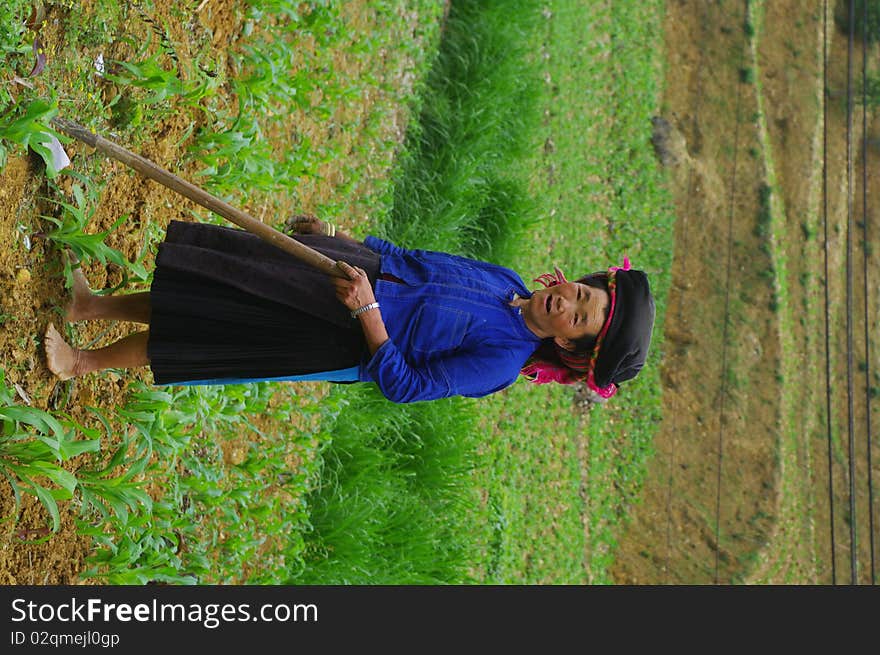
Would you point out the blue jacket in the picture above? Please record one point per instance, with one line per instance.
(452, 330)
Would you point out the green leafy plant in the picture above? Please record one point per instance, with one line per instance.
(70, 230)
(13, 43)
(868, 92)
(147, 547)
(867, 19)
(163, 84)
(104, 492)
(33, 444)
(29, 127)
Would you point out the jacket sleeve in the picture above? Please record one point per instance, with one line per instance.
(465, 373)
(382, 247)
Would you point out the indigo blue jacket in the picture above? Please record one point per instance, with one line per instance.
(451, 327)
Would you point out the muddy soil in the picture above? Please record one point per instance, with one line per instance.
(738, 491)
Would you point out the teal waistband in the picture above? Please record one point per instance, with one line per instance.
(340, 375)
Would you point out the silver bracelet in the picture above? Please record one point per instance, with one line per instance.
(365, 308)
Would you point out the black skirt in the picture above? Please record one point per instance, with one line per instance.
(226, 304)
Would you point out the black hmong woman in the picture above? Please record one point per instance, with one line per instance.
(227, 307)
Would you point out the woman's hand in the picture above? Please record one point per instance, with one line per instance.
(356, 291)
(304, 224)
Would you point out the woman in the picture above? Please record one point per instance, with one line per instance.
(227, 307)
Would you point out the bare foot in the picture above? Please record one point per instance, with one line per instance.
(61, 358)
(81, 296)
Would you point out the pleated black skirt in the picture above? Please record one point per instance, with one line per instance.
(226, 304)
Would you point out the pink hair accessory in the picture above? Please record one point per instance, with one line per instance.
(546, 372)
(551, 280)
(604, 392)
(625, 267)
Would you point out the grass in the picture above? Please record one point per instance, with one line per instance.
(866, 20)
(394, 503)
(453, 189)
(609, 190)
(795, 541)
(554, 484)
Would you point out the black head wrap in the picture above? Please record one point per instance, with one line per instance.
(625, 346)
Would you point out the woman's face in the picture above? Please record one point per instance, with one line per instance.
(567, 312)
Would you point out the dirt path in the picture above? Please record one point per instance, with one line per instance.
(738, 489)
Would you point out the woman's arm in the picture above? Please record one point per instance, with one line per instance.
(356, 293)
(474, 372)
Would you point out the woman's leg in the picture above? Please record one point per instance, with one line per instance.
(85, 305)
(66, 361)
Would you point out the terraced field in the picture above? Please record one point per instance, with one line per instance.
(746, 485)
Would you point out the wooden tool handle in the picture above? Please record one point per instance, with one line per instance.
(242, 219)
